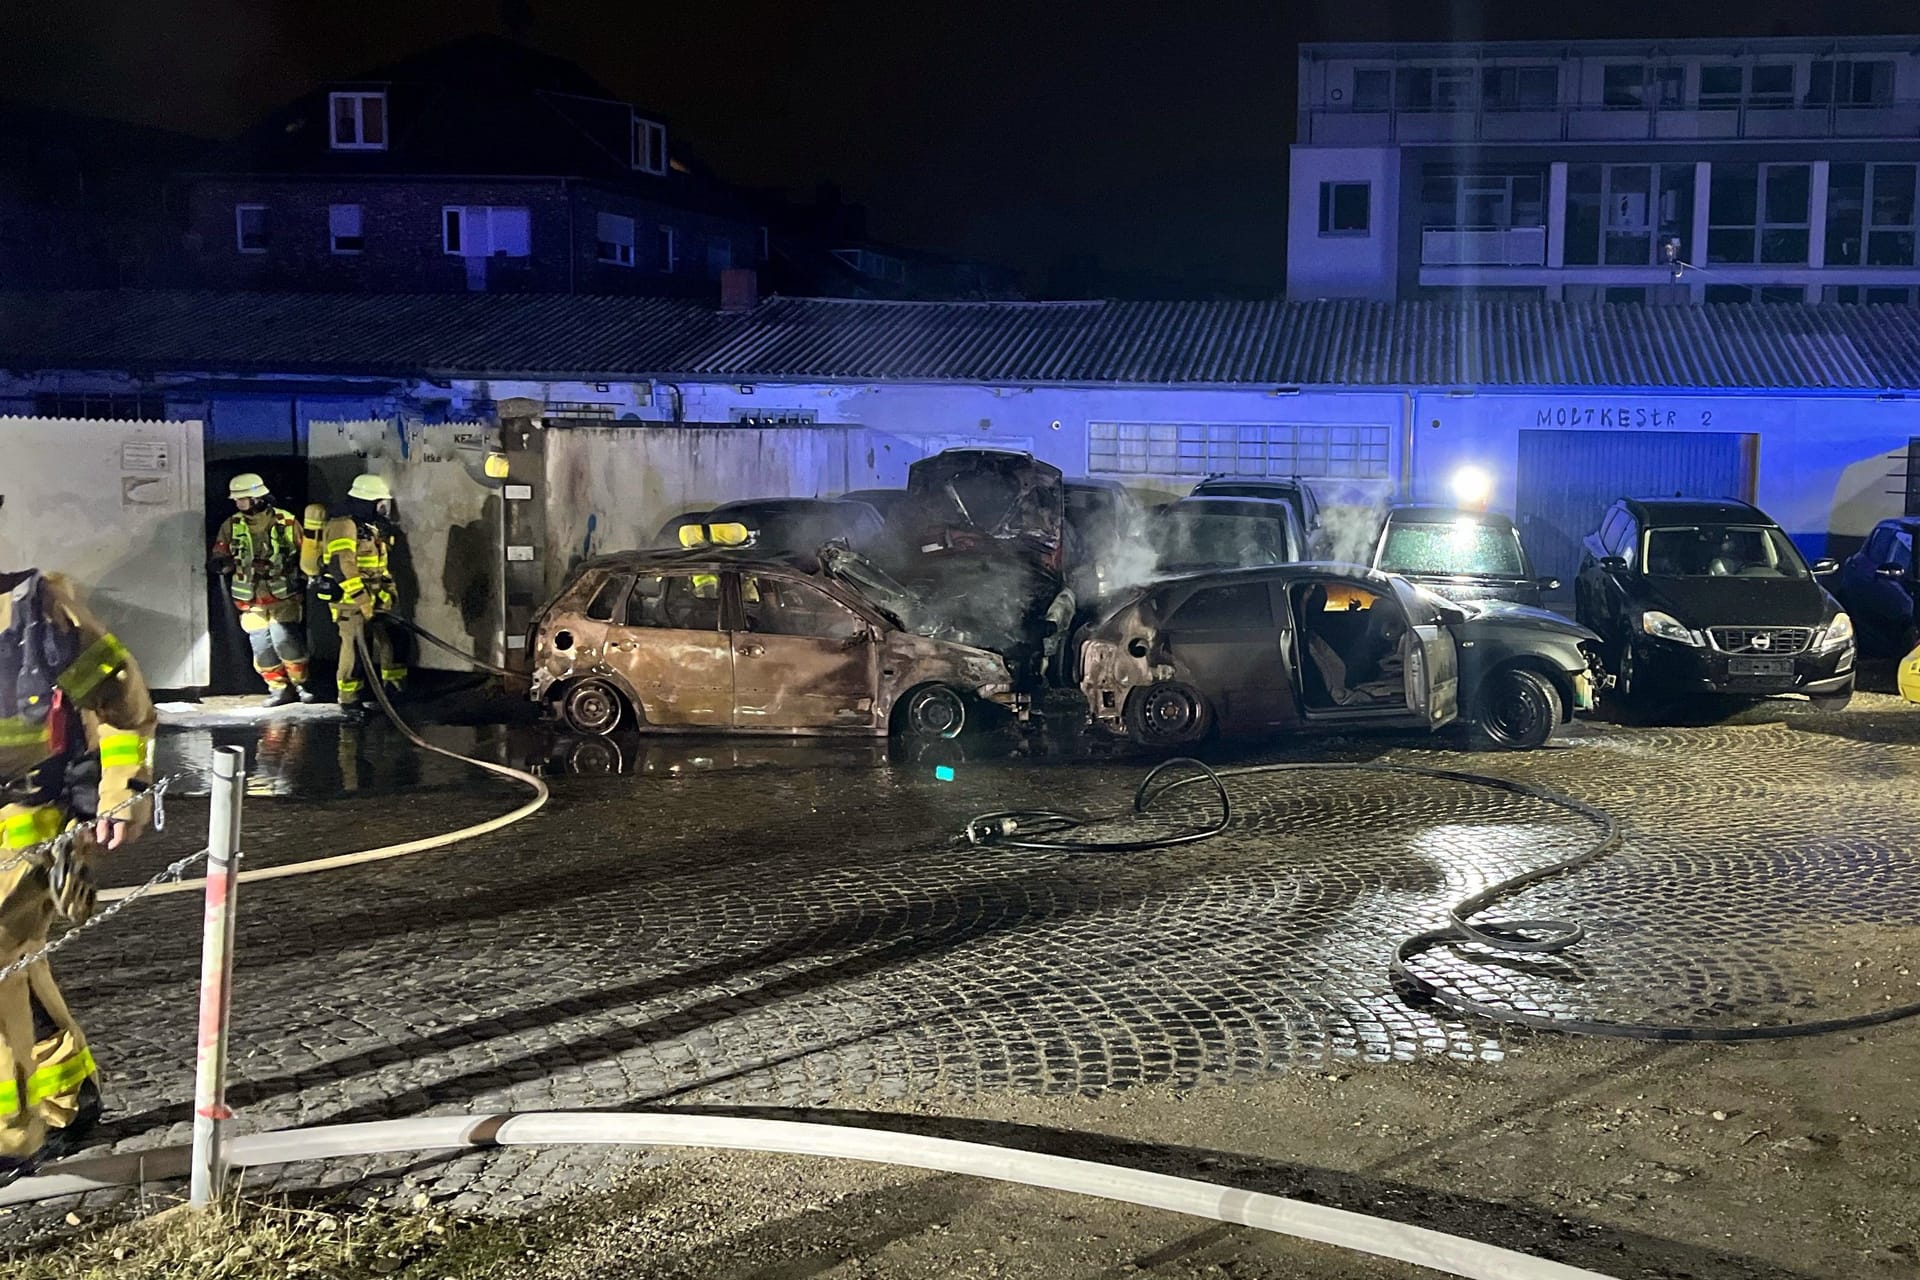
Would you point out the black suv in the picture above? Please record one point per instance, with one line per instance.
(1693, 596)
(1295, 492)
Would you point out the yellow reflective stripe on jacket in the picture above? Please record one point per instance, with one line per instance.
(9, 1098)
(16, 732)
(57, 1078)
(103, 658)
(30, 827)
(340, 546)
(122, 750)
(352, 586)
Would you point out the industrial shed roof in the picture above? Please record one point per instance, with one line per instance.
(1340, 343)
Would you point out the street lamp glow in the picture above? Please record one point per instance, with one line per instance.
(1472, 486)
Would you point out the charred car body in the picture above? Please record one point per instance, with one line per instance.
(1256, 652)
(788, 526)
(743, 641)
(980, 553)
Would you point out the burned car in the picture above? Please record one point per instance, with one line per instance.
(981, 554)
(739, 640)
(787, 525)
(1257, 652)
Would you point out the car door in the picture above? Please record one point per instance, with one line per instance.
(802, 660)
(1881, 604)
(1431, 660)
(1225, 639)
(669, 648)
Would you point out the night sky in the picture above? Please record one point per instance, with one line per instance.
(1106, 147)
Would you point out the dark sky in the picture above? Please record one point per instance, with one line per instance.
(1150, 138)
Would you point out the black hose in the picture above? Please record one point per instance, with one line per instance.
(1539, 936)
(1002, 827)
(450, 647)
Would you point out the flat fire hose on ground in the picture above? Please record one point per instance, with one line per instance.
(385, 852)
(1343, 1228)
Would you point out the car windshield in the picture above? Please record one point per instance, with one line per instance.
(1722, 551)
(1455, 547)
(1187, 540)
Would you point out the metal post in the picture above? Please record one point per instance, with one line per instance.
(216, 970)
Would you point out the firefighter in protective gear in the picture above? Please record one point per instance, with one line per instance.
(76, 725)
(353, 559)
(259, 549)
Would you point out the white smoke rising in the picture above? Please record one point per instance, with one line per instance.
(1349, 530)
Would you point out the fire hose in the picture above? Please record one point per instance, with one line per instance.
(385, 852)
(1050, 831)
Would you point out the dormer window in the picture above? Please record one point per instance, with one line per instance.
(649, 146)
(359, 121)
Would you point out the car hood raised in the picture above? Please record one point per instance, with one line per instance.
(1737, 602)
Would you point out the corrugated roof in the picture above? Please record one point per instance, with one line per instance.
(1465, 344)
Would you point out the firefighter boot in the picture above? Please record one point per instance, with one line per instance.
(282, 695)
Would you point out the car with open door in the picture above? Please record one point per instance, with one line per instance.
(1458, 554)
(1710, 596)
(1877, 586)
(1304, 647)
(732, 639)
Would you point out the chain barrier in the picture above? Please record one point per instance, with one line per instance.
(62, 846)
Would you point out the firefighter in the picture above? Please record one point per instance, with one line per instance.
(352, 556)
(76, 725)
(259, 548)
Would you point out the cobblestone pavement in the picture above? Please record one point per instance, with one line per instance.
(793, 925)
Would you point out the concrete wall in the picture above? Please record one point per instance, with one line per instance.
(1829, 466)
(1346, 265)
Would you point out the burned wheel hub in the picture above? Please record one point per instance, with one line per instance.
(592, 706)
(936, 712)
(1171, 713)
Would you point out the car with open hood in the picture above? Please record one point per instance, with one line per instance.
(732, 639)
(1302, 647)
(1458, 553)
(1710, 596)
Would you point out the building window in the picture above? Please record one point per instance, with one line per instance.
(1720, 86)
(1520, 88)
(1436, 88)
(1622, 214)
(1853, 294)
(1618, 295)
(359, 121)
(615, 237)
(1772, 295)
(1482, 201)
(1771, 85)
(669, 250)
(1623, 84)
(719, 255)
(1372, 89)
(486, 231)
(250, 228)
(1758, 213)
(100, 406)
(649, 143)
(1850, 84)
(1344, 208)
(1669, 86)
(343, 228)
(1871, 215)
(1239, 449)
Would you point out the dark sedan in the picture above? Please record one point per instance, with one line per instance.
(1462, 555)
(1300, 647)
(1710, 597)
(1207, 532)
(1293, 491)
(1876, 584)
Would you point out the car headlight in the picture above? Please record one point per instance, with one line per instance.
(1839, 633)
(1665, 626)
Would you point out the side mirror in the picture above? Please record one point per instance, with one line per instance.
(1885, 570)
(1548, 584)
(1613, 564)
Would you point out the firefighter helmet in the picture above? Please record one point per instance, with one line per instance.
(246, 485)
(371, 487)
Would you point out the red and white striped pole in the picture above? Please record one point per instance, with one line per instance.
(210, 1112)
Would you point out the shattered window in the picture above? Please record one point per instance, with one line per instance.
(1464, 546)
(782, 607)
(678, 602)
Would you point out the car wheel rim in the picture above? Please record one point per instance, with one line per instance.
(592, 709)
(1515, 713)
(1170, 713)
(937, 713)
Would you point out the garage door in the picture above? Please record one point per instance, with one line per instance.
(1567, 478)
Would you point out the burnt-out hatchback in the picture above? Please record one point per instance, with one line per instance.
(740, 641)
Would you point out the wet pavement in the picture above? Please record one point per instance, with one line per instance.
(789, 924)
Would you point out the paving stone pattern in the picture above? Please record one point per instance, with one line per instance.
(793, 936)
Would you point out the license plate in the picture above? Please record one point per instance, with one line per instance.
(1760, 666)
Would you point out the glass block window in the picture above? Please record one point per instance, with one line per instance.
(1236, 449)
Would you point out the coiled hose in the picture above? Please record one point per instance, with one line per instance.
(1527, 936)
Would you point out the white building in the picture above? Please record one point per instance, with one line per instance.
(1671, 171)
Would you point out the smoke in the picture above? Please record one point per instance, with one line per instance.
(1348, 531)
